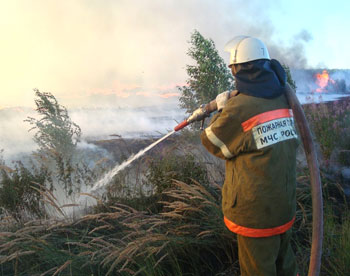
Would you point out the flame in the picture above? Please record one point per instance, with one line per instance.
(322, 80)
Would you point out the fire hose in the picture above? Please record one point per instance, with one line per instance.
(316, 187)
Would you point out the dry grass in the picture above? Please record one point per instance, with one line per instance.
(126, 241)
(185, 235)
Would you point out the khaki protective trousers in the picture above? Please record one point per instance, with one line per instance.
(270, 256)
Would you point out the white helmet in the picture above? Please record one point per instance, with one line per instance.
(245, 48)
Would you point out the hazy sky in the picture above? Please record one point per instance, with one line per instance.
(133, 52)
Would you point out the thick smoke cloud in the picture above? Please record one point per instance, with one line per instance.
(121, 58)
(14, 138)
(95, 123)
(292, 54)
(76, 49)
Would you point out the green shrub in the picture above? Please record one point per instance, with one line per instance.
(18, 198)
(330, 123)
(336, 257)
(57, 136)
(160, 174)
(163, 170)
(344, 157)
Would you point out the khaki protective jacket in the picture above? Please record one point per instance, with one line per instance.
(258, 140)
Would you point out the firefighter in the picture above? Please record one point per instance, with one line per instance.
(254, 132)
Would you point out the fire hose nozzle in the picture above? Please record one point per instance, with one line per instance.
(181, 125)
(198, 115)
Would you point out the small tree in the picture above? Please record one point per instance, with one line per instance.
(57, 135)
(208, 77)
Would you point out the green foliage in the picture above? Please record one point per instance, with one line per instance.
(208, 77)
(336, 257)
(56, 135)
(344, 156)
(187, 238)
(130, 188)
(163, 170)
(132, 237)
(336, 220)
(18, 198)
(330, 123)
(289, 77)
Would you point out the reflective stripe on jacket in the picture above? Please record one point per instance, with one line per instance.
(258, 140)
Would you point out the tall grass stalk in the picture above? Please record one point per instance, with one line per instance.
(187, 237)
(180, 231)
(330, 123)
(336, 260)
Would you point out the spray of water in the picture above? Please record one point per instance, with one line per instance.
(108, 176)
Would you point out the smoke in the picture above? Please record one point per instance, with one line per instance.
(95, 123)
(342, 75)
(292, 54)
(116, 64)
(101, 123)
(78, 49)
(15, 139)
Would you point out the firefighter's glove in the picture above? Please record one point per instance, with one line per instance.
(221, 99)
(198, 115)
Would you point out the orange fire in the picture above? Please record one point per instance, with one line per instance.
(322, 80)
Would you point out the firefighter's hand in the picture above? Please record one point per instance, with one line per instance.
(221, 99)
